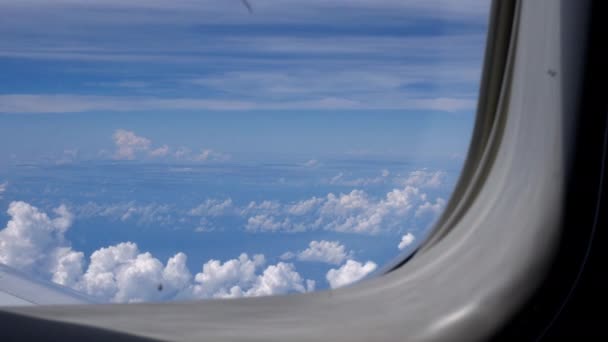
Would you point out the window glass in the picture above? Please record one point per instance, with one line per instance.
(176, 150)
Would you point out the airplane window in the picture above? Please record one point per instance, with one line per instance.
(181, 150)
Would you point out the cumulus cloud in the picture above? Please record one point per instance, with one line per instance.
(349, 273)
(357, 211)
(429, 209)
(128, 144)
(280, 279)
(331, 252)
(304, 207)
(227, 279)
(32, 241)
(66, 266)
(162, 151)
(353, 212)
(237, 278)
(212, 207)
(122, 274)
(424, 178)
(406, 240)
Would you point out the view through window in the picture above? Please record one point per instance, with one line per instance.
(175, 150)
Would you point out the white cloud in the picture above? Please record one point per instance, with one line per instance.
(162, 151)
(176, 274)
(431, 210)
(210, 155)
(424, 178)
(31, 239)
(304, 207)
(204, 226)
(265, 207)
(268, 223)
(226, 279)
(237, 278)
(279, 279)
(356, 211)
(66, 266)
(353, 212)
(406, 240)
(212, 207)
(331, 252)
(121, 273)
(34, 242)
(3, 187)
(349, 273)
(128, 144)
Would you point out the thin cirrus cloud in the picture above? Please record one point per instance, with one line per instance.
(341, 179)
(317, 56)
(33, 241)
(73, 103)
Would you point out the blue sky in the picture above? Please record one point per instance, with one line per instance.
(197, 127)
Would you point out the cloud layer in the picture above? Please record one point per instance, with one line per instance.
(34, 242)
(353, 212)
(293, 55)
(358, 211)
(130, 146)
